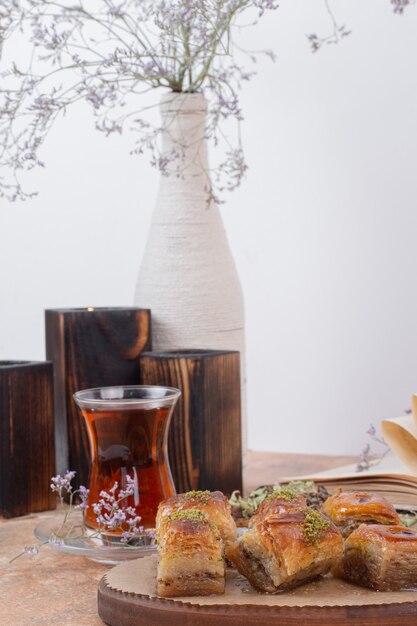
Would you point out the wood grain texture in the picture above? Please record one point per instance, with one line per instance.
(204, 444)
(27, 451)
(26, 586)
(90, 348)
(118, 608)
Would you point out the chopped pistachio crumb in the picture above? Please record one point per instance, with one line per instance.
(314, 526)
(194, 515)
(201, 496)
(289, 495)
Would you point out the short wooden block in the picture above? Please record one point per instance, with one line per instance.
(90, 348)
(27, 449)
(204, 446)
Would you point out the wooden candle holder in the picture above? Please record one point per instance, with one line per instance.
(27, 451)
(205, 449)
(90, 348)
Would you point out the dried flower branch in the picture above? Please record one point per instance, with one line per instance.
(337, 33)
(111, 515)
(368, 457)
(400, 5)
(109, 53)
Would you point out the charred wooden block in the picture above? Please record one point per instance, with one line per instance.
(27, 449)
(204, 445)
(90, 348)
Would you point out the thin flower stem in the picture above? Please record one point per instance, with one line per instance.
(23, 553)
(103, 55)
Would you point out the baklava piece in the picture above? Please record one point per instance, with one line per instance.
(381, 557)
(278, 503)
(348, 510)
(190, 553)
(287, 550)
(213, 504)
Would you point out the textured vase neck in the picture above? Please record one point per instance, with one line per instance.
(184, 128)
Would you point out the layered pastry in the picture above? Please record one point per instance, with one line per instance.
(213, 504)
(348, 510)
(381, 557)
(287, 549)
(279, 502)
(190, 552)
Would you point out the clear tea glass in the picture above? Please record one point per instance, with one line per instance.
(128, 432)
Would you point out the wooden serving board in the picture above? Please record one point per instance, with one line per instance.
(127, 597)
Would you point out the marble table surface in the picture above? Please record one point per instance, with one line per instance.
(55, 588)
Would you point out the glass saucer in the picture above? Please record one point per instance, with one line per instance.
(94, 548)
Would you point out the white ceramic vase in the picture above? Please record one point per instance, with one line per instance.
(188, 277)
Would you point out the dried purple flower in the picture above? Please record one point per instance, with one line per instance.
(150, 532)
(106, 55)
(83, 494)
(337, 33)
(62, 484)
(131, 485)
(113, 514)
(31, 550)
(55, 541)
(400, 5)
(368, 457)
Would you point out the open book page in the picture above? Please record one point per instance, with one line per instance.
(389, 478)
(390, 465)
(400, 433)
(394, 477)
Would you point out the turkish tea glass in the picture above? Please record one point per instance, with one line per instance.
(128, 433)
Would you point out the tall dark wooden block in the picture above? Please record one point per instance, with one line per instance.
(205, 449)
(90, 348)
(27, 450)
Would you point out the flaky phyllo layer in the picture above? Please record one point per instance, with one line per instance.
(191, 560)
(213, 504)
(381, 557)
(286, 546)
(349, 509)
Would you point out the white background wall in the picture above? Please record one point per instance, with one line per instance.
(324, 228)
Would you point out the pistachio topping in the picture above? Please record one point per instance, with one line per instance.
(314, 526)
(201, 496)
(194, 515)
(289, 495)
